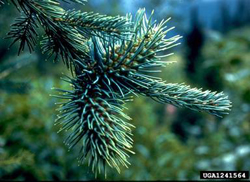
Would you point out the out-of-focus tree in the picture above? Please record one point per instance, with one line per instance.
(227, 21)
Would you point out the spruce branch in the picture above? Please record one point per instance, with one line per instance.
(121, 62)
(96, 120)
(110, 58)
(65, 38)
(122, 66)
(59, 40)
(181, 95)
(90, 23)
(24, 30)
(116, 68)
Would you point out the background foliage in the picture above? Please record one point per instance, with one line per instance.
(170, 143)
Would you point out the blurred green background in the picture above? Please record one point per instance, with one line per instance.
(170, 143)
